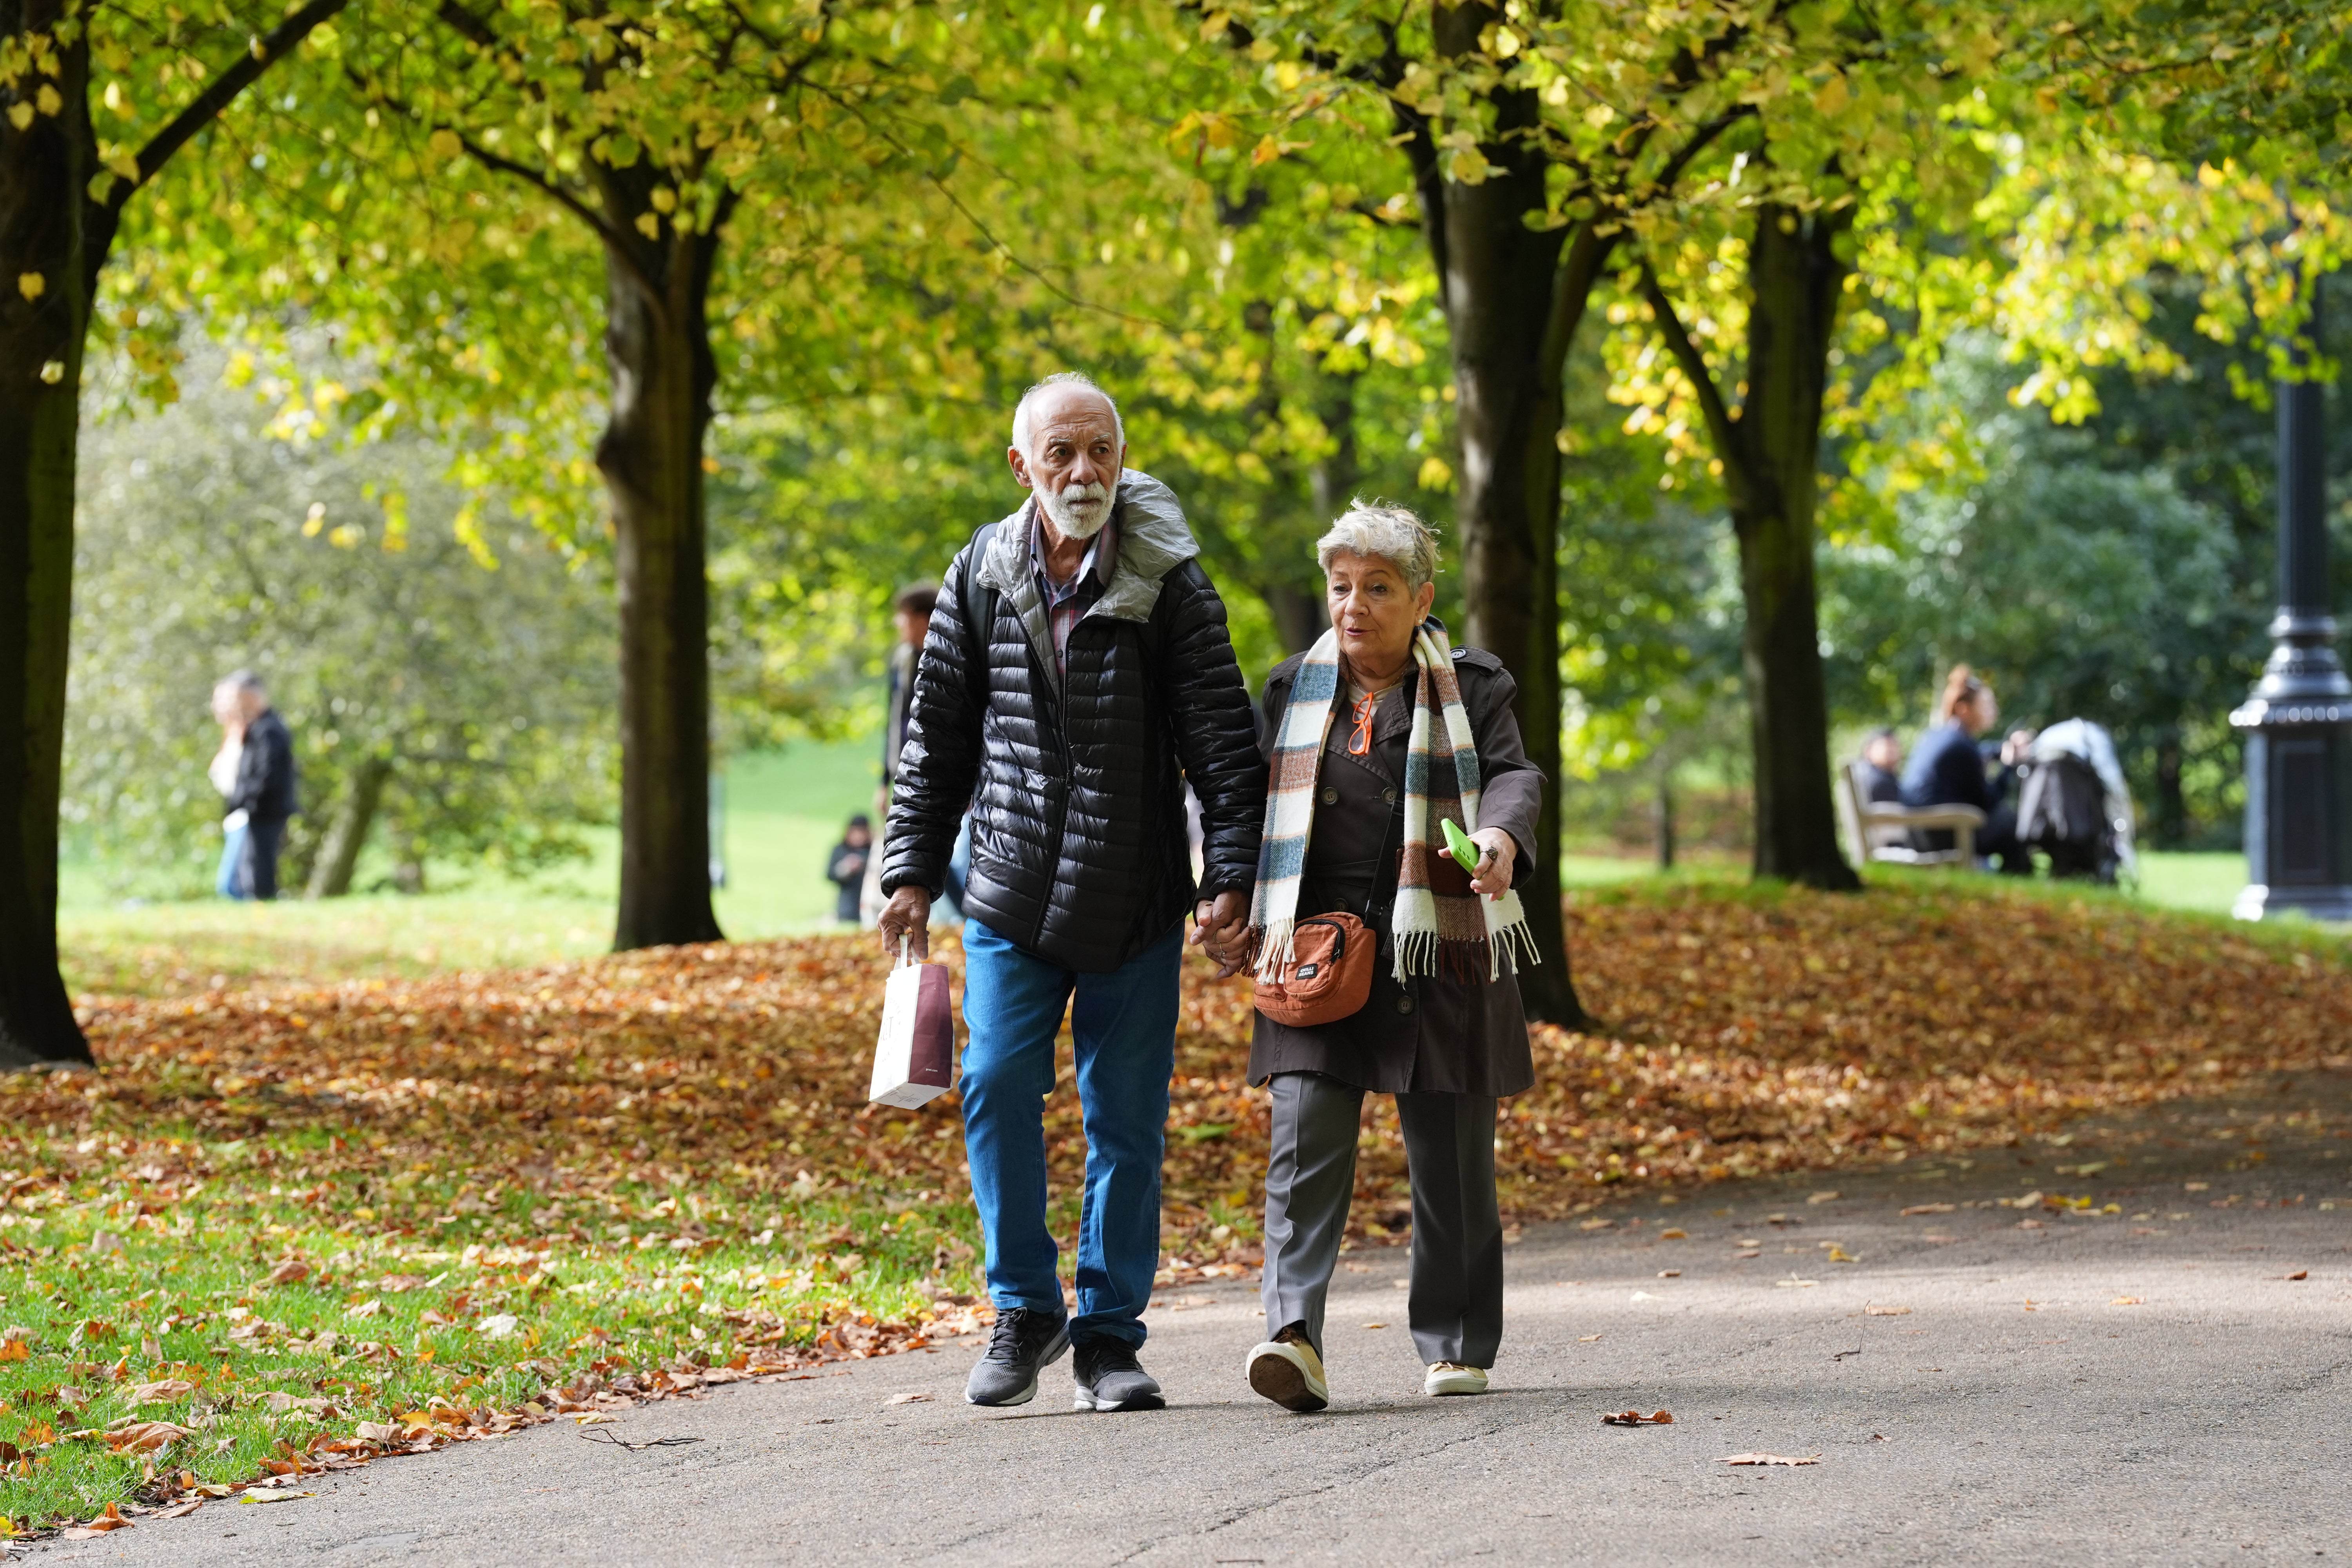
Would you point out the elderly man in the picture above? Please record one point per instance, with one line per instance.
(1077, 673)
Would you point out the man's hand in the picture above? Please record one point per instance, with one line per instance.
(1221, 929)
(1497, 851)
(2017, 748)
(908, 914)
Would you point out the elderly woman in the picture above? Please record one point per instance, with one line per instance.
(1376, 736)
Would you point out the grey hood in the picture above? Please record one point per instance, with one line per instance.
(1153, 541)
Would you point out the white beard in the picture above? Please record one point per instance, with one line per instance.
(1079, 512)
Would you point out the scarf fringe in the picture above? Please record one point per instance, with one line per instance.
(1273, 948)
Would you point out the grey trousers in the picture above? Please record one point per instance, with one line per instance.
(1456, 1305)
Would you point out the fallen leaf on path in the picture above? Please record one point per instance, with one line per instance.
(1670, 1273)
(1931, 1208)
(1822, 1198)
(1793, 1283)
(1674, 1236)
(1598, 1224)
(2300, 1274)
(909, 1399)
(1635, 1418)
(1586, 1338)
(111, 1519)
(1644, 1296)
(272, 1494)
(598, 1420)
(1878, 1311)
(2029, 1201)
(2127, 1301)
(179, 1510)
(1768, 1459)
(609, 1438)
(1840, 1255)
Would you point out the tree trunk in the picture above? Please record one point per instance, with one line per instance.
(657, 337)
(1499, 278)
(1662, 819)
(2170, 826)
(44, 234)
(59, 209)
(1795, 278)
(339, 856)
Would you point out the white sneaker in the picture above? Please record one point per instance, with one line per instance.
(1289, 1373)
(1448, 1377)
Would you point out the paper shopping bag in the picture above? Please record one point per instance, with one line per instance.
(914, 1058)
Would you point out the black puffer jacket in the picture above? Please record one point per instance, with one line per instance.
(1078, 845)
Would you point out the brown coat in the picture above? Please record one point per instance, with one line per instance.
(1437, 1033)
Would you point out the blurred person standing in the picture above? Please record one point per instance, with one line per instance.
(850, 866)
(264, 792)
(230, 882)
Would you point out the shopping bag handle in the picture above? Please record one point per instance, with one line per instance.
(901, 960)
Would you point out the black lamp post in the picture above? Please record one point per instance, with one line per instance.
(2298, 723)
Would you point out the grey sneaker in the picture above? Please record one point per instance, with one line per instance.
(1109, 1378)
(1025, 1343)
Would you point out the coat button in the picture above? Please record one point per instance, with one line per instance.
(1331, 796)
(1388, 796)
(1404, 1004)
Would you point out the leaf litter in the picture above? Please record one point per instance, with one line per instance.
(661, 1167)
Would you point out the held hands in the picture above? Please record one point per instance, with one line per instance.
(1497, 850)
(2017, 748)
(908, 914)
(1221, 929)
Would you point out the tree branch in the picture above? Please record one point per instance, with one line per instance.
(1721, 427)
(614, 242)
(219, 94)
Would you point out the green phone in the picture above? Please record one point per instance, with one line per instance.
(1466, 852)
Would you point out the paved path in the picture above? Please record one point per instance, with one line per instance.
(2013, 1414)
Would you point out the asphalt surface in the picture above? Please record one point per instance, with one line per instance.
(1982, 1385)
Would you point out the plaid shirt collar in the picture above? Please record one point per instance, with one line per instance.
(1066, 601)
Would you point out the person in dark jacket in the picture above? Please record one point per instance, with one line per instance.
(1949, 769)
(1880, 768)
(845, 867)
(1077, 674)
(264, 792)
(1374, 735)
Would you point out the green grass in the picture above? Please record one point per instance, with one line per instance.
(109, 1296)
(784, 810)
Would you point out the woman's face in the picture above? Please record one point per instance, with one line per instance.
(1983, 713)
(1373, 610)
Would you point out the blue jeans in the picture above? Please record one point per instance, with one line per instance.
(1124, 1024)
(230, 882)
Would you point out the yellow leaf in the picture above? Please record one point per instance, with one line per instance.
(1832, 96)
(32, 285)
(1435, 474)
(1266, 151)
(664, 200)
(314, 519)
(20, 115)
(649, 225)
(14, 1349)
(50, 100)
(444, 143)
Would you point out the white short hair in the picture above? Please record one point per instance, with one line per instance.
(1062, 378)
(1393, 533)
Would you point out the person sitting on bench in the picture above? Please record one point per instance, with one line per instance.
(1948, 769)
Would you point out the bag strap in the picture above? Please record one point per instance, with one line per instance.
(1381, 901)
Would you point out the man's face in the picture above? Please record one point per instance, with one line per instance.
(1885, 752)
(1073, 459)
(252, 703)
(913, 625)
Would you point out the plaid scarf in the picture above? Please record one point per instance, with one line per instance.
(1441, 781)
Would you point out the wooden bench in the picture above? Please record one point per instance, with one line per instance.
(1878, 830)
